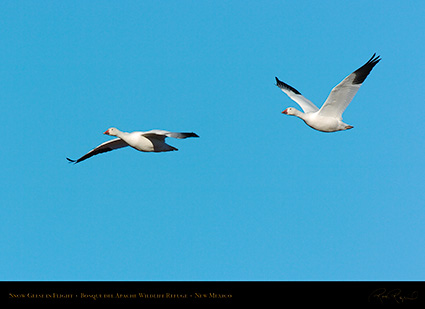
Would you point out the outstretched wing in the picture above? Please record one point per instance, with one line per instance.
(105, 147)
(161, 134)
(344, 92)
(295, 95)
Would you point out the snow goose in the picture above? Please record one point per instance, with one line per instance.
(329, 117)
(150, 141)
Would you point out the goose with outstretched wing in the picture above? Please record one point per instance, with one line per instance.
(329, 117)
(150, 141)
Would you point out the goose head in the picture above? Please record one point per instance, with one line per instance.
(290, 111)
(111, 131)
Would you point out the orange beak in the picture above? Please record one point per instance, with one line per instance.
(106, 132)
(285, 112)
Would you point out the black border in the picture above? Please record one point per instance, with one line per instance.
(212, 292)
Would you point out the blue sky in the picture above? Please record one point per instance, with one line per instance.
(259, 196)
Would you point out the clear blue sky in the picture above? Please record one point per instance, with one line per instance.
(260, 195)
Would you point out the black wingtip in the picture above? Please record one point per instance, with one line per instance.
(374, 59)
(71, 161)
(191, 134)
(364, 71)
(283, 85)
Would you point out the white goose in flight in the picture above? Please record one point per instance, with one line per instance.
(150, 141)
(329, 117)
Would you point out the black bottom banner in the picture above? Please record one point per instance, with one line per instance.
(200, 292)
